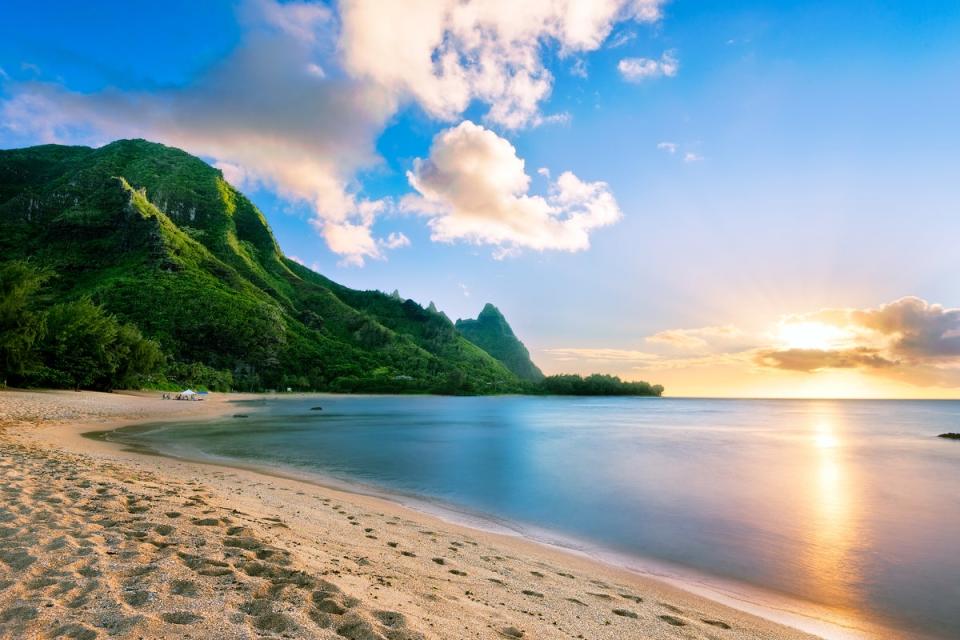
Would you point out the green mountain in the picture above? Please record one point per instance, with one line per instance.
(162, 243)
(492, 333)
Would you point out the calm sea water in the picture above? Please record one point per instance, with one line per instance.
(853, 506)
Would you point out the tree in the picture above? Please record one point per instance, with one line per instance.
(137, 358)
(80, 345)
(21, 325)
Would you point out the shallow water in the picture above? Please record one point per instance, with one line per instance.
(851, 505)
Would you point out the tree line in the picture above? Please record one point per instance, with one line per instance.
(597, 384)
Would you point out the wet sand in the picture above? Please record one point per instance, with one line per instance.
(101, 542)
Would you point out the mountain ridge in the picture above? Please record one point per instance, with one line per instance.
(159, 238)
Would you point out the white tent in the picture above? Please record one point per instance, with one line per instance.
(189, 393)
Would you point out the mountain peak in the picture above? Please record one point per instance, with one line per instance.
(492, 333)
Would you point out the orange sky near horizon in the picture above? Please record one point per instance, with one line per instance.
(907, 348)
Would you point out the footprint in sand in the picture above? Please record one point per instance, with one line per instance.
(180, 617)
(720, 624)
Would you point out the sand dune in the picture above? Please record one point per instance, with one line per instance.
(98, 542)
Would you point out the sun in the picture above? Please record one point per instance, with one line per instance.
(811, 335)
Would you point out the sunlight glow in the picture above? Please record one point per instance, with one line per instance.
(824, 437)
(812, 335)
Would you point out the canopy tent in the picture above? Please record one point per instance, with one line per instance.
(189, 393)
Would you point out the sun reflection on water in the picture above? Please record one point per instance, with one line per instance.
(833, 572)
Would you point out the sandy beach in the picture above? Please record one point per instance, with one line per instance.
(97, 541)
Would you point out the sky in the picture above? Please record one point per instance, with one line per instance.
(727, 198)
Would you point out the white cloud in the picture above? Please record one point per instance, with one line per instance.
(473, 186)
(395, 240)
(579, 68)
(669, 147)
(622, 38)
(464, 289)
(639, 69)
(445, 53)
(297, 260)
(690, 156)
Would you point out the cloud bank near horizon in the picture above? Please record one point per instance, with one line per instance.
(907, 340)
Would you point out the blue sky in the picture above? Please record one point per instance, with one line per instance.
(797, 156)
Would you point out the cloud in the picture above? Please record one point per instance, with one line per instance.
(621, 39)
(395, 240)
(809, 360)
(474, 187)
(669, 147)
(578, 68)
(917, 328)
(600, 354)
(443, 54)
(639, 69)
(690, 156)
(909, 339)
(699, 338)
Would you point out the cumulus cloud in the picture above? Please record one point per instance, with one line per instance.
(917, 328)
(474, 187)
(639, 69)
(669, 147)
(445, 53)
(298, 106)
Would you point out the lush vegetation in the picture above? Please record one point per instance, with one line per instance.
(491, 332)
(156, 240)
(136, 264)
(596, 384)
(71, 344)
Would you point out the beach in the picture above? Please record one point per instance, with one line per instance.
(102, 541)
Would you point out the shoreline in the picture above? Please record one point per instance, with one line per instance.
(781, 609)
(258, 492)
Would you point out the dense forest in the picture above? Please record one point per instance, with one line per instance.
(138, 265)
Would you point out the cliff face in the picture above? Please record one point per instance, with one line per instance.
(492, 333)
(161, 240)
